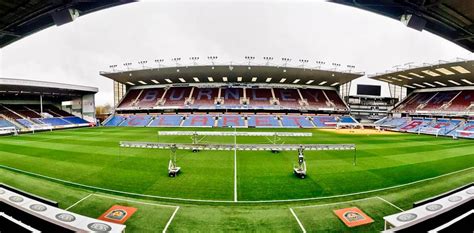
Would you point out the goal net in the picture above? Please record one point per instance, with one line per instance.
(8, 130)
(429, 130)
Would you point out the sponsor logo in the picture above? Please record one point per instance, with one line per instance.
(38, 207)
(65, 217)
(16, 199)
(353, 216)
(116, 214)
(99, 227)
(454, 198)
(406, 217)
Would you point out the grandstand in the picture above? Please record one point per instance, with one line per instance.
(440, 99)
(229, 95)
(31, 105)
(234, 186)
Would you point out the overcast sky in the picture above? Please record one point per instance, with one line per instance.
(299, 29)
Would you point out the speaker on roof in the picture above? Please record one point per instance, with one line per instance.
(413, 21)
(64, 16)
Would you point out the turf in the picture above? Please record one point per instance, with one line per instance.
(221, 217)
(91, 156)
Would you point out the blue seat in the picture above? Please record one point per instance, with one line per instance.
(199, 121)
(75, 120)
(324, 121)
(115, 121)
(137, 121)
(296, 122)
(166, 120)
(263, 121)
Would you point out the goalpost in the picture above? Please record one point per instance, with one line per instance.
(8, 130)
(41, 127)
(429, 130)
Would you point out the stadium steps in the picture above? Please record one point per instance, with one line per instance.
(448, 104)
(32, 110)
(124, 120)
(329, 103)
(134, 103)
(151, 120)
(17, 114)
(108, 119)
(459, 125)
(12, 121)
(423, 105)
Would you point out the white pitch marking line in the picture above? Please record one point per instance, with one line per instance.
(390, 203)
(84, 198)
(235, 167)
(298, 220)
(171, 219)
(333, 203)
(228, 201)
(133, 201)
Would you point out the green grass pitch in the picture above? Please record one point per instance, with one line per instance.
(92, 157)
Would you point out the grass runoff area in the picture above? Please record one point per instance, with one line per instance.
(88, 165)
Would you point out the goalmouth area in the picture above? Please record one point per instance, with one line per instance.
(91, 173)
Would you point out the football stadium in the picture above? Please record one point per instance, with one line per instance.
(242, 146)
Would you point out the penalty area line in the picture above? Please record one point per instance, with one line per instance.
(84, 198)
(134, 201)
(393, 205)
(171, 219)
(298, 220)
(334, 203)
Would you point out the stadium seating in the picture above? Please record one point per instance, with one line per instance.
(230, 121)
(296, 122)
(231, 97)
(166, 121)
(175, 96)
(462, 101)
(438, 100)
(149, 98)
(75, 120)
(5, 123)
(414, 125)
(259, 98)
(315, 98)
(411, 103)
(395, 122)
(53, 121)
(115, 120)
(347, 120)
(325, 121)
(129, 98)
(288, 98)
(467, 126)
(336, 100)
(25, 122)
(199, 121)
(137, 120)
(204, 97)
(263, 121)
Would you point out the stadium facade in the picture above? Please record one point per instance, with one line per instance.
(230, 95)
